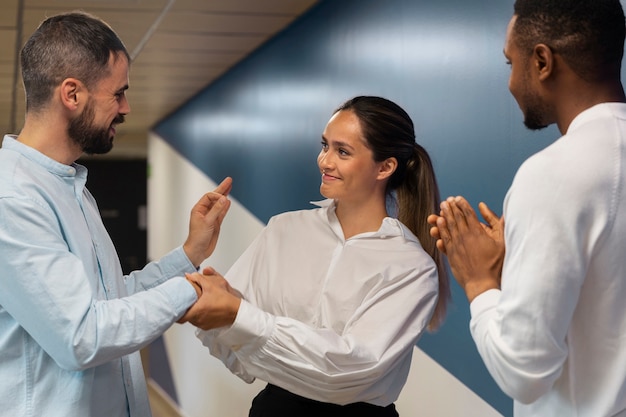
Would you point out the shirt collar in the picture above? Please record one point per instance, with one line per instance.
(389, 228)
(10, 142)
(596, 112)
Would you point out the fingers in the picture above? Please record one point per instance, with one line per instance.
(447, 222)
(217, 212)
(434, 232)
(208, 280)
(209, 271)
(210, 274)
(463, 213)
(492, 218)
(209, 199)
(195, 278)
(457, 217)
(444, 233)
(224, 187)
(223, 212)
(459, 214)
(195, 285)
(432, 219)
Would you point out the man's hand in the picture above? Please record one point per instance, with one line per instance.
(218, 304)
(475, 250)
(434, 231)
(205, 222)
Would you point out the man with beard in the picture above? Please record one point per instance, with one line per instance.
(549, 317)
(71, 324)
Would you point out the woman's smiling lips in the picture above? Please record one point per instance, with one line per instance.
(328, 177)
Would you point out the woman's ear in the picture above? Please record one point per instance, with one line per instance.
(387, 168)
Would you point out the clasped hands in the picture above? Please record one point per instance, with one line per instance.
(217, 304)
(475, 250)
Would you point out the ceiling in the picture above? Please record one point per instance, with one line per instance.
(177, 48)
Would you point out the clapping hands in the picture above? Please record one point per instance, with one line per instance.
(475, 250)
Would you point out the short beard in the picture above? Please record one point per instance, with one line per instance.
(534, 117)
(92, 140)
(536, 110)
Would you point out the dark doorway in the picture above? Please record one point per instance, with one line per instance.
(120, 189)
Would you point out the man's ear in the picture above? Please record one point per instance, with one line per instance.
(387, 168)
(544, 61)
(72, 93)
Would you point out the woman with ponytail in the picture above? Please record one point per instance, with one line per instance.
(328, 303)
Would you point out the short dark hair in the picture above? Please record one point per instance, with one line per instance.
(588, 34)
(74, 44)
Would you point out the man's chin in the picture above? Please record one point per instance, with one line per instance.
(535, 126)
(100, 150)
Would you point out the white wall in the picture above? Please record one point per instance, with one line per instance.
(204, 387)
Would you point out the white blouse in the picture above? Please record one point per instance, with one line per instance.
(326, 318)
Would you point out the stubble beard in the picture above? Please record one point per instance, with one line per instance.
(92, 140)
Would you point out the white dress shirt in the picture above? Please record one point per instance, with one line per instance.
(327, 318)
(554, 337)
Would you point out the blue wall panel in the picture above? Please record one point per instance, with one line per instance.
(441, 60)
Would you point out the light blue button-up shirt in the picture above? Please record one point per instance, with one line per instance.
(71, 324)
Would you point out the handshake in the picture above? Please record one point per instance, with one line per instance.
(217, 304)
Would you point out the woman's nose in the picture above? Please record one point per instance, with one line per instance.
(325, 160)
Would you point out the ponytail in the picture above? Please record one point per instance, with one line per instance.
(418, 197)
(389, 132)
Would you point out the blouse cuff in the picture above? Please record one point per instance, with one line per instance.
(251, 329)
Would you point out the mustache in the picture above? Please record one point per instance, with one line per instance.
(119, 119)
